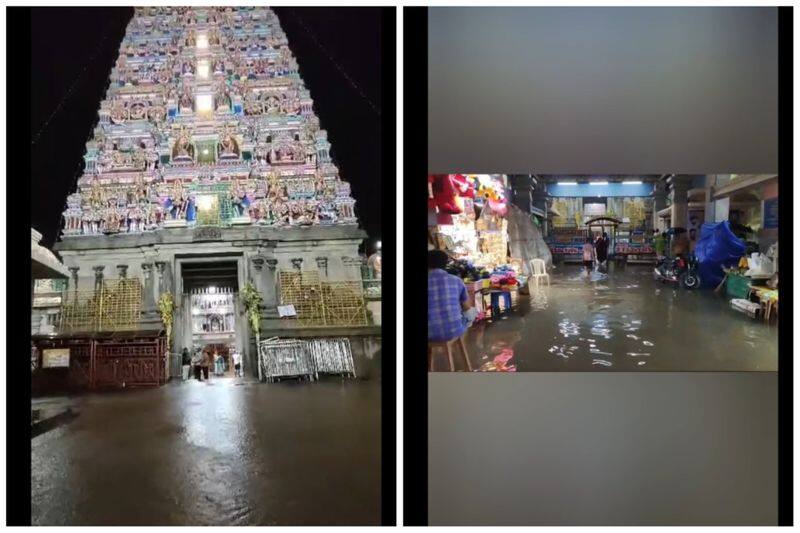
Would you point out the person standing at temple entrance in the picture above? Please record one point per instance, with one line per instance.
(237, 364)
(186, 363)
(207, 361)
(197, 364)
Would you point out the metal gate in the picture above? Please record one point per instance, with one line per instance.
(111, 362)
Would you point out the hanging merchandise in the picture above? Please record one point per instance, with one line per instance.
(464, 186)
(445, 194)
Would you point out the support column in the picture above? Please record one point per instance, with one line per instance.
(297, 263)
(680, 201)
(122, 271)
(160, 268)
(322, 265)
(147, 272)
(270, 290)
(257, 272)
(352, 267)
(98, 277)
(659, 203)
(74, 272)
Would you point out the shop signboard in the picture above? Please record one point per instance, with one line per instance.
(55, 358)
(771, 213)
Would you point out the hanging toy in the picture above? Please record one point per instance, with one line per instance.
(463, 185)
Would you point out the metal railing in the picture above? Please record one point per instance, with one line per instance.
(323, 303)
(114, 306)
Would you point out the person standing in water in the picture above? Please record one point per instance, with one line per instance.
(601, 250)
(588, 256)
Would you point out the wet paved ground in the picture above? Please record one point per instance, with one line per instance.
(218, 454)
(624, 320)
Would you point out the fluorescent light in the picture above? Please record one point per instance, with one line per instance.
(567, 183)
(598, 183)
(631, 182)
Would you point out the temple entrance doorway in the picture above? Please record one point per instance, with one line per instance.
(211, 297)
(223, 352)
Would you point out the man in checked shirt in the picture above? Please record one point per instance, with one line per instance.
(447, 300)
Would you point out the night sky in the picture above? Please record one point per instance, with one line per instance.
(77, 47)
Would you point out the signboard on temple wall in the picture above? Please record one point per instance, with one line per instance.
(771, 213)
(55, 358)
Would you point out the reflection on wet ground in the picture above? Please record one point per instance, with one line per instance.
(216, 454)
(622, 320)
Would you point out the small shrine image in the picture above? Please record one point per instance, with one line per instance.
(208, 176)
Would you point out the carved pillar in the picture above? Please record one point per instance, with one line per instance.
(322, 264)
(352, 267)
(98, 277)
(270, 300)
(257, 272)
(74, 272)
(160, 267)
(122, 271)
(680, 201)
(297, 262)
(147, 271)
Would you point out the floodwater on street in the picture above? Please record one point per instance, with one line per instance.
(623, 320)
(222, 453)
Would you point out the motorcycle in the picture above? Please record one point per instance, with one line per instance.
(680, 270)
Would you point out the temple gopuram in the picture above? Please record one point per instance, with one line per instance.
(208, 171)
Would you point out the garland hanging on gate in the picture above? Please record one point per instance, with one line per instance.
(166, 306)
(252, 300)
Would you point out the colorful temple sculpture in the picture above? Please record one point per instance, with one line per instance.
(207, 170)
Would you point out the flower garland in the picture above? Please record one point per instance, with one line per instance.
(252, 299)
(166, 307)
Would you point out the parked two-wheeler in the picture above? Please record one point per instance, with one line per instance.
(680, 270)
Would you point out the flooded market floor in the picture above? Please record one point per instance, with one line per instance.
(224, 453)
(623, 321)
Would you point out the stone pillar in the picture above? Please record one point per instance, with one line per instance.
(297, 263)
(147, 272)
(160, 267)
(257, 272)
(680, 201)
(98, 277)
(270, 300)
(659, 203)
(322, 265)
(74, 272)
(122, 271)
(352, 267)
(521, 188)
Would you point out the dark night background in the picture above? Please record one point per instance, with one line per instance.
(77, 47)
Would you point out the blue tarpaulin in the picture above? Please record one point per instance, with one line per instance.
(717, 247)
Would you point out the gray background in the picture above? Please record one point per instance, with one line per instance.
(602, 449)
(602, 90)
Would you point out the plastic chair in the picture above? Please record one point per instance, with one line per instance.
(539, 271)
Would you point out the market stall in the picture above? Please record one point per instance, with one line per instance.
(468, 220)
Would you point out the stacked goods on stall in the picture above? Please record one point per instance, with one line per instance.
(472, 227)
